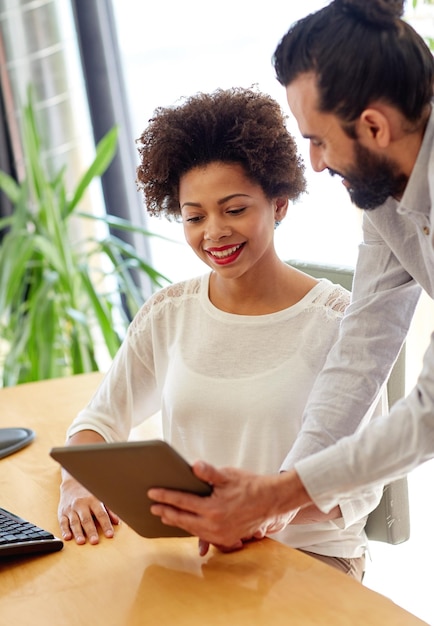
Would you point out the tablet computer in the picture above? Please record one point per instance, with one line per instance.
(120, 474)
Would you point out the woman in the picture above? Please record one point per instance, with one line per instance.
(229, 357)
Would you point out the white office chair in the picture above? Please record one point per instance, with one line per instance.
(390, 521)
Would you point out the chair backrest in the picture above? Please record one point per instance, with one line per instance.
(390, 521)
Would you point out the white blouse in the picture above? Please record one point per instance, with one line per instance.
(231, 388)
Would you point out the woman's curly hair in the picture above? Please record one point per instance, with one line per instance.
(231, 126)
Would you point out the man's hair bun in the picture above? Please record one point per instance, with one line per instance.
(380, 13)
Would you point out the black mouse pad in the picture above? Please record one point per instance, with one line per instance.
(13, 439)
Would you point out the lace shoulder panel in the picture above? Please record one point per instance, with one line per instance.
(172, 295)
(336, 298)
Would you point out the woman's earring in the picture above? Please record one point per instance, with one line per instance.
(276, 224)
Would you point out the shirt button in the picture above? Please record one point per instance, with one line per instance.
(426, 230)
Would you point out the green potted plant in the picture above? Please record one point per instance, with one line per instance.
(58, 309)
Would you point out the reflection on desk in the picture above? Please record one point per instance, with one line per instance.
(130, 580)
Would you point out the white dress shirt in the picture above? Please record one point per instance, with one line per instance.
(396, 260)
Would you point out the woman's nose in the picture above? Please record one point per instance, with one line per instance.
(216, 228)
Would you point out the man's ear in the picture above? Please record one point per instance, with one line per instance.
(373, 128)
(281, 207)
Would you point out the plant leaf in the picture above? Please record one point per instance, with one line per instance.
(10, 187)
(105, 152)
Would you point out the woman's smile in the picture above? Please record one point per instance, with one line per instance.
(225, 254)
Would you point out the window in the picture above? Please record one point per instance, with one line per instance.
(171, 50)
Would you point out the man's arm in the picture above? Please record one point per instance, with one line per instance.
(245, 505)
(373, 329)
(388, 448)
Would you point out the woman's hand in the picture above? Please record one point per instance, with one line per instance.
(80, 514)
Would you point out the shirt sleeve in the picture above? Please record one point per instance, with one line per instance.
(371, 335)
(127, 395)
(387, 448)
(360, 502)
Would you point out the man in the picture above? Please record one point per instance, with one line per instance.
(359, 81)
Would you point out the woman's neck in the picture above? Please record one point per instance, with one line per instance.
(260, 293)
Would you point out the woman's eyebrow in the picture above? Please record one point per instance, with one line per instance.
(233, 195)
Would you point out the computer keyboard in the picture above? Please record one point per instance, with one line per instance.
(20, 537)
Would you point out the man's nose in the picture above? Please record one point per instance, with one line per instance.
(316, 159)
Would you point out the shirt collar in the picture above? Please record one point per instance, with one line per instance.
(416, 197)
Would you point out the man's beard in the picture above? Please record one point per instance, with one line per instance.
(372, 179)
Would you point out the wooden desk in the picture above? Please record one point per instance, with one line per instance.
(130, 580)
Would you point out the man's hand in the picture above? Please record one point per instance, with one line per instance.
(243, 506)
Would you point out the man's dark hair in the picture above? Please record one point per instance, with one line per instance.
(360, 51)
